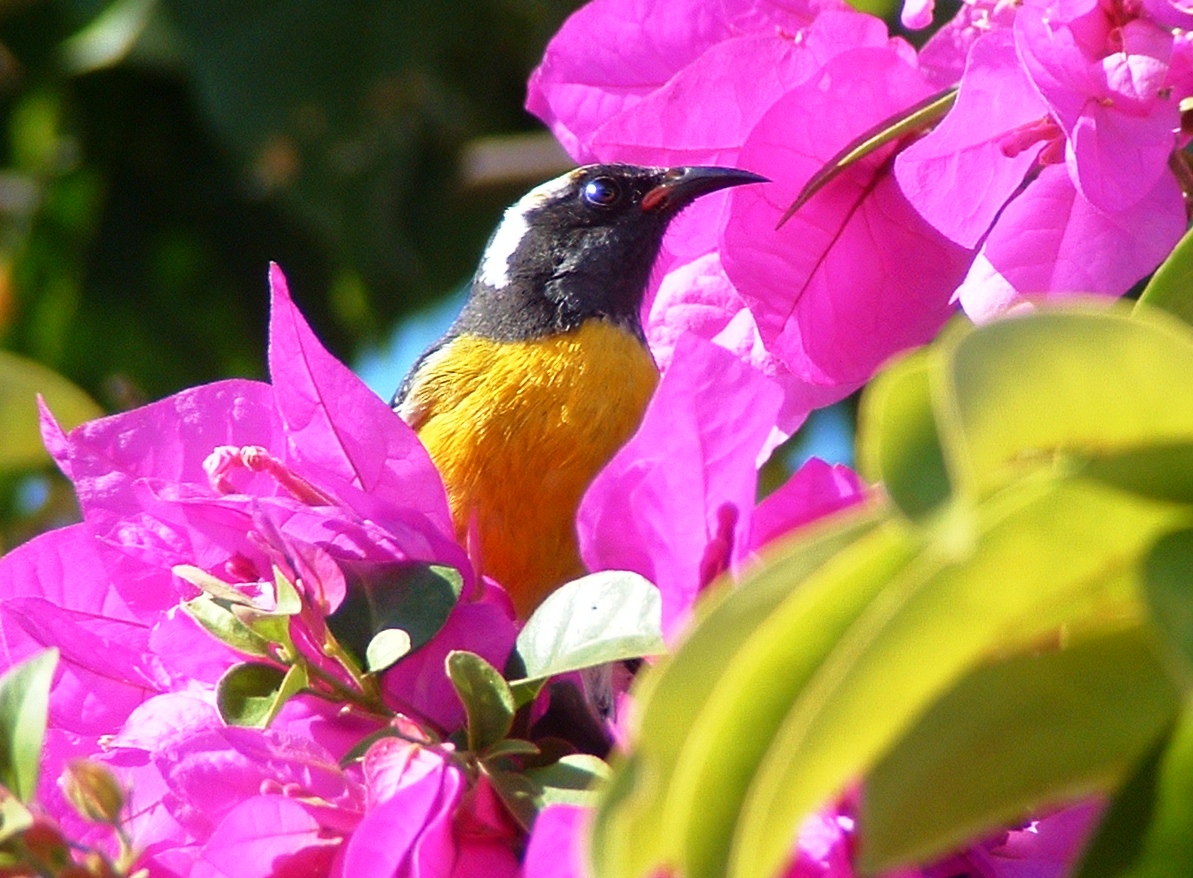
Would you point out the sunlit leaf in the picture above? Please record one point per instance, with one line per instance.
(1024, 392)
(1171, 287)
(251, 694)
(21, 380)
(24, 706)
(486, 697)
(1012, 737)
(628, 835)
(222, 624)
(1147, 831)
(897, 440)
(386, 648)
(600, 618)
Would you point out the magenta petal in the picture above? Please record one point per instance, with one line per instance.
(959, 177)
(335, 423)
(1119, 120)
(856, 274)
(611, 54)
(169, 440)
(815, 490)
(269, 835)
(554, 850)
(662, 501)
(697, 297)
(1118, 158)
(410, 831)
(1050, 240)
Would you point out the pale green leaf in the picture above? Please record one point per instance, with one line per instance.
(21, 381)
(1012, 737)
(599, 618)
(24, 706)
(486, 697)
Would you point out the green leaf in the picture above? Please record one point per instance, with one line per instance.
(24, 705)
(916, 118)
(511, 747)
(386, 648)
(1168, 587)
(15, 818)
(1147, 832)
(1009, 738)
(1042, 554)
(597, 619)
(521, 795)
(415, 597)
(628, 835)
(573, 780)
(251, 694)
(211, 585)
(1171, 287)
(21, 380)
(748, 728)
(1025, 392)
(222, 624)
(486, 697)
(286, 597)
(897, 439)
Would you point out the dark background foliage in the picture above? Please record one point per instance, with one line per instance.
(157, 154)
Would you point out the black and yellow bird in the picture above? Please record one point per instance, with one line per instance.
(545, 373)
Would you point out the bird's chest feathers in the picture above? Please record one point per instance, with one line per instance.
(515, 425)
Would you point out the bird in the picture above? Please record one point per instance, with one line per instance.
(546, 372)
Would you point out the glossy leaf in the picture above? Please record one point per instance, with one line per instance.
(1017, 393)
(1168, 586)
(486, 697)
(15, 818)
(814, 693)
(222, 624)
(416, 598)
(24, 706)
(21, 381)
(251, 694)
(1147, 832)
(1042, 554)
(1171, 287)
(572, 780)
(386, 648)
(1049, 727)
(898, 443)
(600, 618)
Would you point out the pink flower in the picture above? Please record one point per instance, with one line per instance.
(820, 303)
(677, 503)
(247, 802)
(1054, 159)
(311, 479)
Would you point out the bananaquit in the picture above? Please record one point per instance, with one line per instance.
(545, 374)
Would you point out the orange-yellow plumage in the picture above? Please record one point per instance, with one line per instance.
(519, 430)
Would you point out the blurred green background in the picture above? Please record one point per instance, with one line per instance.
(157, 154)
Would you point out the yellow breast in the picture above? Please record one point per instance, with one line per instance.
(519, 430)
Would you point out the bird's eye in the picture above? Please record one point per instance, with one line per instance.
(602, 191)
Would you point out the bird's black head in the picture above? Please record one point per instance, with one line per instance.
(580, 246)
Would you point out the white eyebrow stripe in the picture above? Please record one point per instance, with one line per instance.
(495, 267)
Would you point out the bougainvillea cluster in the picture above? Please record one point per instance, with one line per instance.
(231, 533)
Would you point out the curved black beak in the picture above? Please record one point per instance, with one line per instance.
(682, 186)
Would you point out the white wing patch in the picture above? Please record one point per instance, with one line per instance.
(495, 266)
